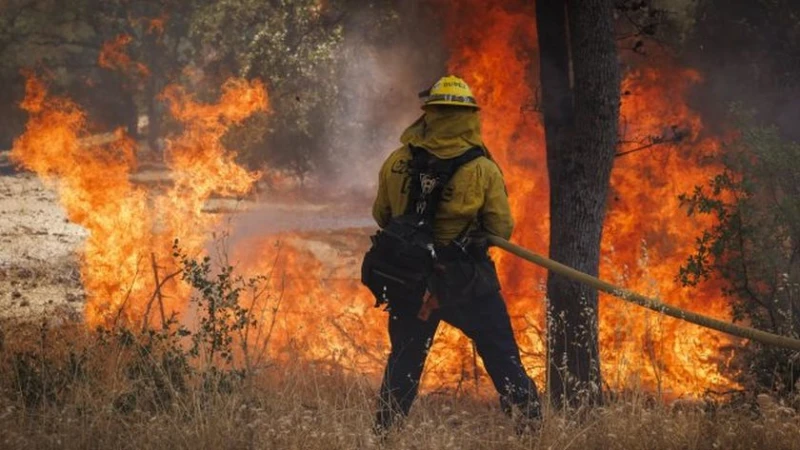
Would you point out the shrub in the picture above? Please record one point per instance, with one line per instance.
(755, 243)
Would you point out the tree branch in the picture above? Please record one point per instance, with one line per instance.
(677, 136)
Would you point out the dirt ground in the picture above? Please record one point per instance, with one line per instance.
(38, 250)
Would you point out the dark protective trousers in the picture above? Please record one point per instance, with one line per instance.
(484, 320)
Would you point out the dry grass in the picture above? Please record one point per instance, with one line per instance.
(91, 393)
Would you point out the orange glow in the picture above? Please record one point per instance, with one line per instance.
(646, 235)
(315, 308)
(156, 25)
(327, 316)
(113, 57)
(130, 225)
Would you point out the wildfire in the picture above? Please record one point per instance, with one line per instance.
(131, 229)
(315, 308)
(200, 165)
(113, 56)
(329, 317)
(647, 235)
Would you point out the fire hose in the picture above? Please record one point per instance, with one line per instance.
(647, 302)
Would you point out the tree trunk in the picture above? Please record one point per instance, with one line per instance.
(581, 142)
(559, 113)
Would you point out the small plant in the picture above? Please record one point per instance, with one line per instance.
(228, 332)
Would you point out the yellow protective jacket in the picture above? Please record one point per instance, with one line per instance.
(475, 193)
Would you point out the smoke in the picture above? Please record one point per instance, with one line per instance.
(378, 87)
(380, 75)
(749, 54)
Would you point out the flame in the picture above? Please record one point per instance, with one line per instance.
(131, 228)
(320, 311)
(113, 57)
(200, 165)
(314, 307)
(646, 237)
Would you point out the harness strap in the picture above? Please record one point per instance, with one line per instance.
(429, 177)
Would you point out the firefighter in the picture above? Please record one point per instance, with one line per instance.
(474, 199)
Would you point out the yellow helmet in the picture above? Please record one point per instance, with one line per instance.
(449, 90)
